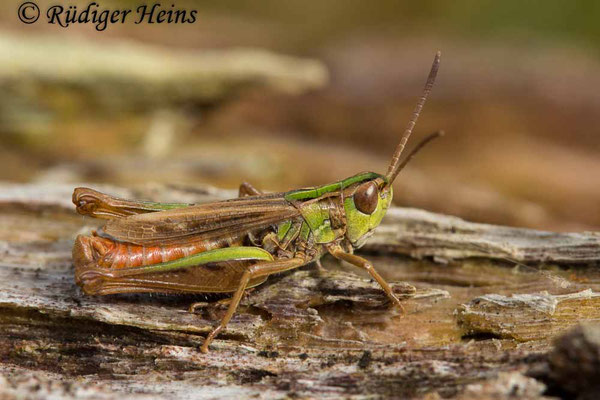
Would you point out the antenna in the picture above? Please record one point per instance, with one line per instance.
(418, 148)
(395, 166)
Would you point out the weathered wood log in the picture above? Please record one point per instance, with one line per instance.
(305, 333)
(546, 314)
(508, 385)
(421, 233)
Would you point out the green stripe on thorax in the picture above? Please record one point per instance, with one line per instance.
(316, 192)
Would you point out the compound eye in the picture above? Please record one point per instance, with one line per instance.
(366, 198)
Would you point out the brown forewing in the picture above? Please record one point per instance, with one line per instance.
(204, 221)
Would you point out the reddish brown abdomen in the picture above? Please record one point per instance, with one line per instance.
(117, 255)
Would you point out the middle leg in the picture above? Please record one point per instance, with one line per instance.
(255, 271)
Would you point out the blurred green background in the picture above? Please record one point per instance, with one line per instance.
(294, 93)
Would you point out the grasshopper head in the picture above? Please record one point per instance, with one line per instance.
(367, 202)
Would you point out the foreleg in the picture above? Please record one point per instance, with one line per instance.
(366, 264)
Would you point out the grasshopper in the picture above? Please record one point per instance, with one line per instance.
(232, 245)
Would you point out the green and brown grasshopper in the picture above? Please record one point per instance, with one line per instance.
(232, 245)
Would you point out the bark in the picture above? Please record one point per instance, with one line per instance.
(476, 325)
(419, 233)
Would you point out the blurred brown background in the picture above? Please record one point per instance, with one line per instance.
(220, 101)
